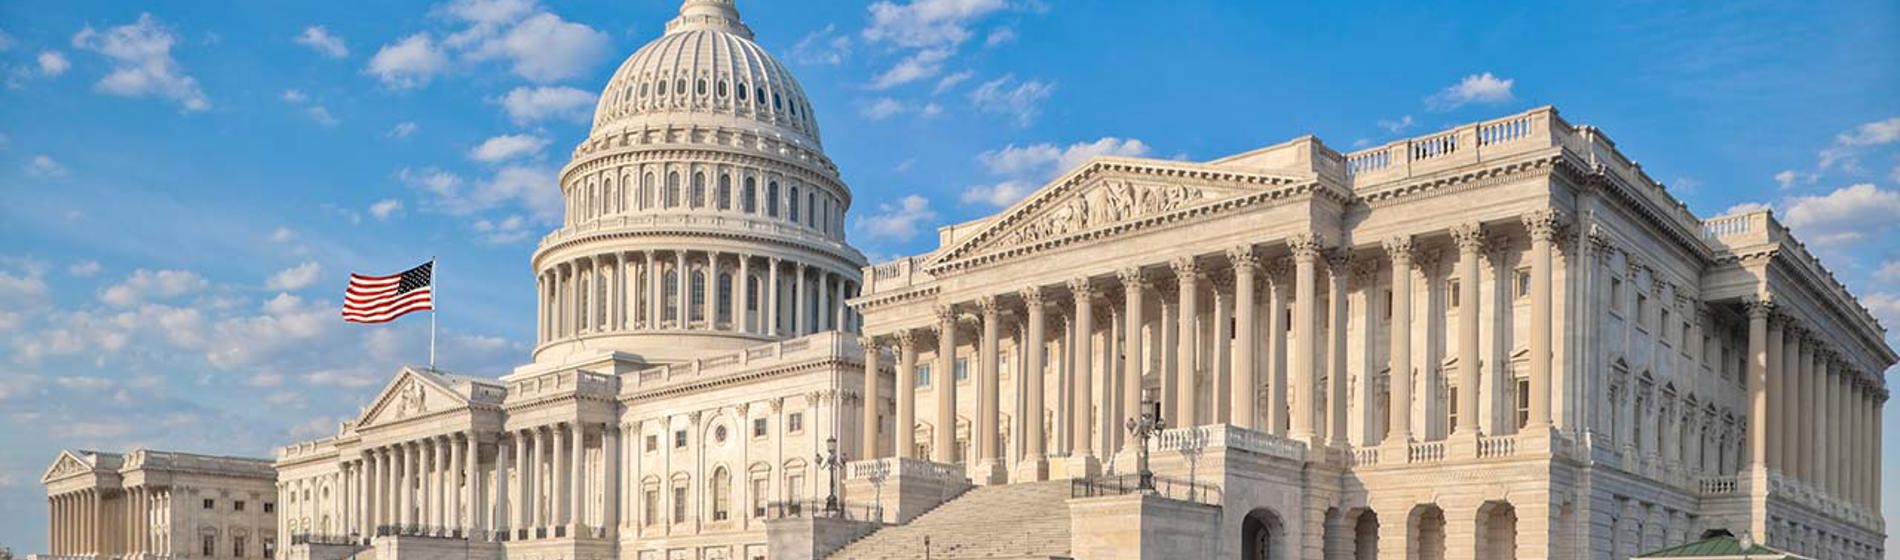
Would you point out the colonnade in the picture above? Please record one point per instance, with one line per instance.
(695, 290)
(1814, 418)
(427, 485)
(1219, 380)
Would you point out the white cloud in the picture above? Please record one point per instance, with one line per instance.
(530, 104)
(823, 46)
(546, 48)
(142, 63)
(6, 41)
(1844, 216)
(1476, 88)
(898, 222)
(1788, 178)
(403, 129)
(53, 63)
(1000, 36)
(294, 278)
(1021, 101)
(319, 39)
(510, 229)
(945, 83)
(144, 285)
(23, 289)
(85, 269)
(926, 23)
(532, 188)
(919, 65)
(1028, 167)
(409, 63)
(507, 147)
(882, 108)
(385, 209)
(1745, 208)
(282, 235)
(293, 96)
(1889, 272)
(1396, 126)
(44, 166)
(321, 115)
(1847, 145)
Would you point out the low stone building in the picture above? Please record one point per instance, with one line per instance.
(160, 504)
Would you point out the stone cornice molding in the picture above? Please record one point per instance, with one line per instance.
(689, 150)
(816, 247)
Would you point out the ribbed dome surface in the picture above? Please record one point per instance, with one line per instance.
(707, 71)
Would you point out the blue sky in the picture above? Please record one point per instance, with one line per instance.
(185, 186)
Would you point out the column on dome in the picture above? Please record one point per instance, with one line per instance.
(905, 387)
(1306, 249)
(840, 312)
(801, 300)
(742, 296)
(650, 290)
(1399, 401)
(821, 298)
(1134, 298)
(710, 306)
(613, 296)
(944, 432)
(1187, 366)
(772, 307)
(682, 292)
(541, 307)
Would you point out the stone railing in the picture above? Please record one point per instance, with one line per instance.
(902, 467)
(1472, 143)
(895, 275)
(1718, 485)
(1426, 452)
(1497, 446)
(822, 345)
(561, 382)
(1365, 457)
(1228, 436)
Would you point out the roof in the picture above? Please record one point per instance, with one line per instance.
(1720, 546)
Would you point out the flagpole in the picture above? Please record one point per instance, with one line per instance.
(435, 293)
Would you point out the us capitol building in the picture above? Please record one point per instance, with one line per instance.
(1503, 340)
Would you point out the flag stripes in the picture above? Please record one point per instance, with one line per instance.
(381, 299)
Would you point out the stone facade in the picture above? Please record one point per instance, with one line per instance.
(1586, 369)
(159, 504)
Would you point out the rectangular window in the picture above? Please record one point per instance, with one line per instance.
(963, 369)
(1523, 282)
(652, 506)
(1642, 311)
(270, 548)
(761, 490)
(795, 423)
(1662, 326)
(758, 427)
(679, 439)
(1451, 408)
(270, 507)
(923, 375)
(237, 505)
(1452, 293)
(795, 492)
(237, 546)
(653, 442)
(679, 504)
(1388, 305)
(210, 545)
(210, 504)
(1523, 403)
(1616, 294)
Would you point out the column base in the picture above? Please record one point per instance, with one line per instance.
(1125, 461)
(1083, 466)
(989, 472)
(1033, 469)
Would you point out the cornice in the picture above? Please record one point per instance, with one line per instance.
(852, 268)
(738, 378)
(691, 152)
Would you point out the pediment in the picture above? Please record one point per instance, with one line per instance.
(68, 464)
(411, 394)
(1103, 195)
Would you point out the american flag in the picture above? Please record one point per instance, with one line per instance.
(381, 299)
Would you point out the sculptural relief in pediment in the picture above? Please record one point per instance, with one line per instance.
(1100, 203)
(66, 465)
(409, 397)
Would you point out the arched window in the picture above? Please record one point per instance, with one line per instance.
(724, 303)
(722, 88)
(771, 199)
(760, 99)
(679, 85)
(791, 205)
(811, 209)
(670, 297)
(662, 89)
(673, 189)
(698, 199)
(748, 201)
(646, 192)
(643, 90)
(778, 103)
(742, 91)
(721, 494)
(700, 88)
(725, 192)
(613, 196)
(698, 297)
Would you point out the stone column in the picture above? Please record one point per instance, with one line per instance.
(869, 424)
(577, 479)
(1035, 467)
(1777, 398)
(1187, 275)
(650, 285)
(561, 475)
(1805, 415)
(711, 306)
(504, 501)
(682, 296)
(1399, 407)
(1082, 459)
(1306, 250)
(989, 468)
(1868, 463)
(1758, 382)
(905, 386)
(1827, 400)
(1790, 419)
(611, 500)
(801, 319)
(446, 471)
(1339, 269)
(742, 297)
(1470, 239)
(771, 297)
(1134, 297)
(944, 449)
(1876, 411)
(524, 506)
(1245, 392)
(822, 298)
(1543, 226)
(462, 491)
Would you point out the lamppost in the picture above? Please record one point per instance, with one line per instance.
(1144, 427)
(835, 464)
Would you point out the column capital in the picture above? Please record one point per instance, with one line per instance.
(1544, 224)
(1306, 245)
(1130, 277)
(1033, 297)
(1470, 237)
(1339, 260)
(1082, 290)
(1185, 268)
(1759, 307)
(946, 314)
(1401, 248)
(905, 339)
(868, 343)
(1243, 257)
(987, 303)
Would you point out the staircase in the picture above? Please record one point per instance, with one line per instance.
(1011, 522)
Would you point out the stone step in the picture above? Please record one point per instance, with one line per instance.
(1006, 522)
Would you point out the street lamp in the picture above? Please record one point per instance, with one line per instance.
(1149, 424)
(835, 464)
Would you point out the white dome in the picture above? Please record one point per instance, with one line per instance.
(706, 70)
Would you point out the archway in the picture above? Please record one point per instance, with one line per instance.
(1427, 536)
(1365, 536)
(1497, 531)
(1262, 536)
